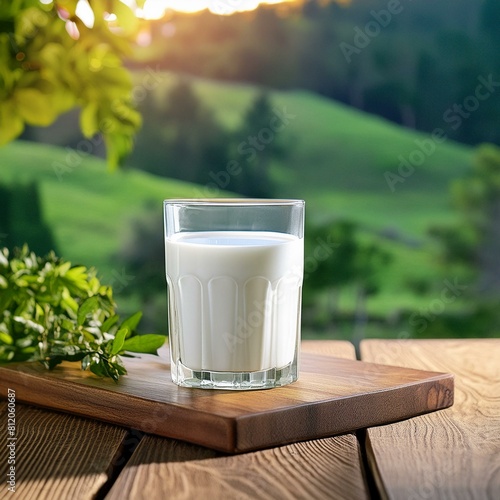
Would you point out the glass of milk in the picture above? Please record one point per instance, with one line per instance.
(234, 278)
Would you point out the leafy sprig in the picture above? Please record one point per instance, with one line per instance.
(54, 59)
(51, 311)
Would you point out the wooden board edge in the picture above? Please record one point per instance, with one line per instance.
(440, 387)
(156, 417)
(153, 417)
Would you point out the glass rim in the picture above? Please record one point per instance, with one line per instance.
(234, 202)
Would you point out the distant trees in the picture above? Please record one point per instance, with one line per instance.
(471, 247)
(474, 243)
(22, 218)
(182, 139)
(410, 66)
(259, 142)
(339, 256)
(469, 252)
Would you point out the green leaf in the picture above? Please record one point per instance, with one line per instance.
(98, 368)
(46, 317)
(53, 361)
(64, 268)
(119, 340)
(89, 120)
(119, 366)
(106, 326)
(149, 343)
(131, 322)
(89, 306)
(69, 303)
(35, 107)
(11, 123)
(5, 338)
(118, 146)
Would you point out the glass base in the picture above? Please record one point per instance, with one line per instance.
(236, 381)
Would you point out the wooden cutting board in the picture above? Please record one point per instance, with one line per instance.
(332, 396)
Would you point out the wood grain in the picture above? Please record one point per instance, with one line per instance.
(322, 469)
(332, 396)
(452, 454)
(58, 456)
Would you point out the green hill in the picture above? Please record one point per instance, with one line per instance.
(339, 156)
(337, 163)
(88, 208)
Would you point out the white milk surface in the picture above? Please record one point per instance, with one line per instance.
(236, 298)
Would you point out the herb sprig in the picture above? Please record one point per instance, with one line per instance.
(51, 311)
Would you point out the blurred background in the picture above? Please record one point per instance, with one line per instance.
(383, 115)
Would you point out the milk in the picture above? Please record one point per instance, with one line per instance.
(234, 299)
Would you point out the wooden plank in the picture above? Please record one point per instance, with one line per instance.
(320, 469)
(449, 454)
(57, 455)
(332, 396)
(327, 468)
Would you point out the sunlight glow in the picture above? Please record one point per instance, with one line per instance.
(155, 9)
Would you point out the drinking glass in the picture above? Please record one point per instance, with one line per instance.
(234, 270)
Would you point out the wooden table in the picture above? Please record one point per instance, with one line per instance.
(454, 453)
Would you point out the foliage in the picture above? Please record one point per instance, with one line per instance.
(418, 66)
(52, 60)
(181, 138)
(143, 253)
(338, 255)
(22, 214)
(338, 163)
(260, 143)
(51, 311)
(475, 242)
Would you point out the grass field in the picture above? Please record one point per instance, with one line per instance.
(338, 157)
(88, 208)
(337, 162)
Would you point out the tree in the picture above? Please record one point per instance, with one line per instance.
(338, 256)
(181, 139)
(475, 243)
(22, 215)
(478, 200)
(54, 58)
(260, 145)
